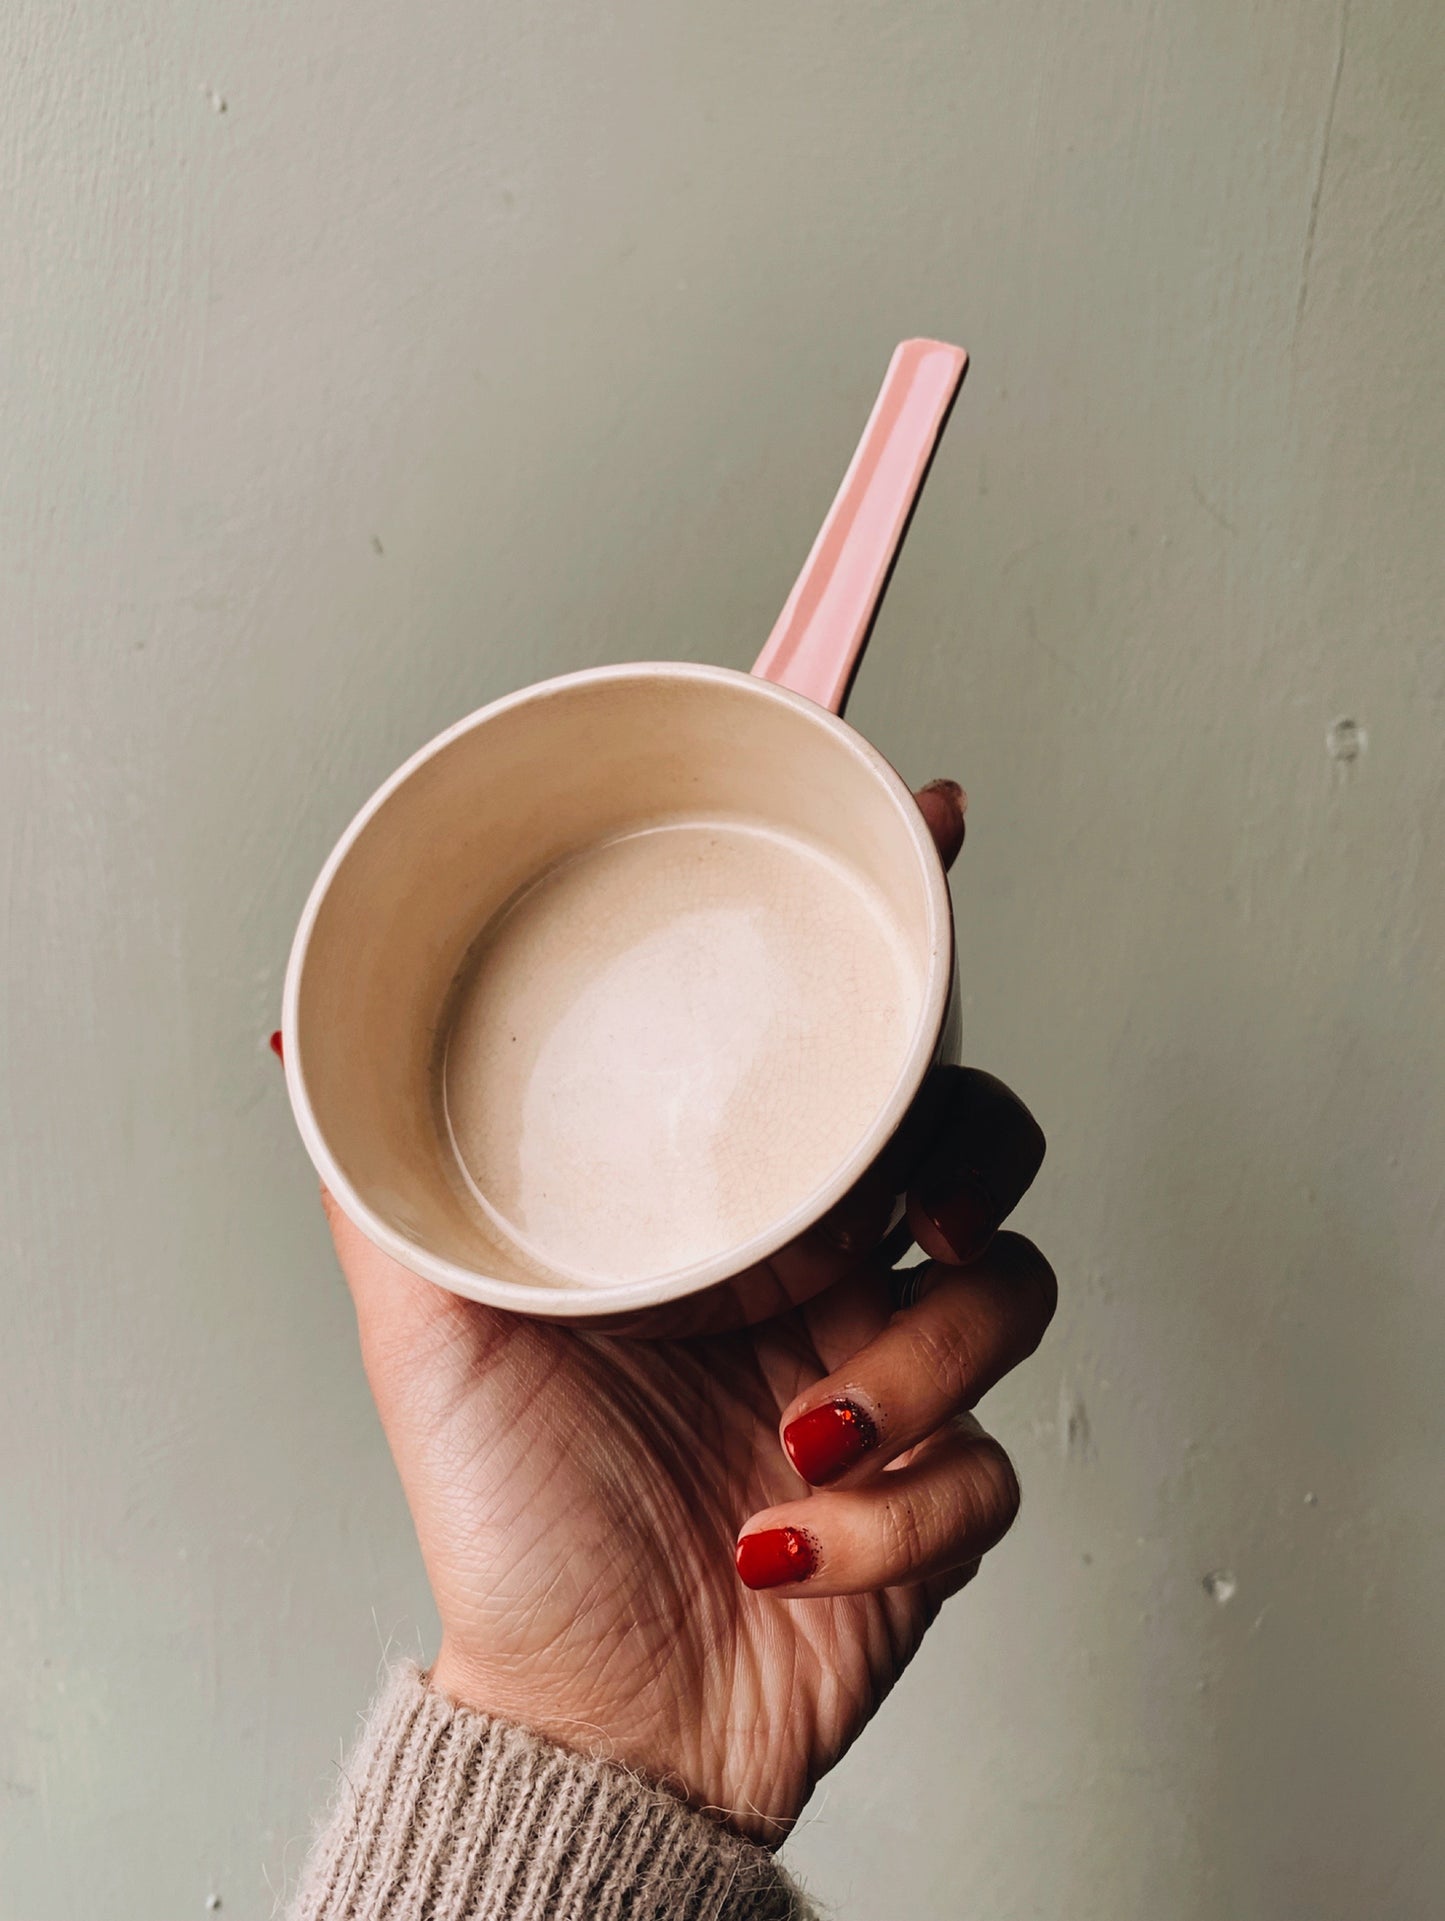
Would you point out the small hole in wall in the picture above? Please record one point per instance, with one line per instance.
(1346, 740)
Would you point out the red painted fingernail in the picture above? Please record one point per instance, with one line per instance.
(826, 1441)
(949, 831)
(965, 1214)
(276, 1047)
(775, 1556)
(952, 789)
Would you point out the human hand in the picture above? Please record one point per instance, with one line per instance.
(578, 1497)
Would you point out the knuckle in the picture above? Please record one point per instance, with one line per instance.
(902, 1532)
(941, 1356)
(1035, 1280)
(994, 1493)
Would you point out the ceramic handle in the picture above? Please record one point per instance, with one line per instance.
(822, 631)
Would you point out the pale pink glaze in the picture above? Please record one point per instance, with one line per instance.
(822, 631)
(458, 833)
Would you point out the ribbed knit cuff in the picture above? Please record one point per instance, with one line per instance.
(447, 1814)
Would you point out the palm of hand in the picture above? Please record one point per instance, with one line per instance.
(577, 1499)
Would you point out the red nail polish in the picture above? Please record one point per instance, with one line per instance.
(775, 1556)
(826, 1441)
(965, 1214)
(276, 1047)
(952, 789)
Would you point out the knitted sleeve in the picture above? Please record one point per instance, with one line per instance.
(447, 1814)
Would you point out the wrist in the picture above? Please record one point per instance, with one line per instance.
(622, 1737)
(522, 1699)
(455, 1814)
(587, 1726)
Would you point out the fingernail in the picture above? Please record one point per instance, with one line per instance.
(945, 807)
(827, 1440)
(860, 1220)
(276, 1047)
(964, 1212)
(952, 789)
(774, 1557)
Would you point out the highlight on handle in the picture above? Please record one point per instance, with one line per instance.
(824, 627)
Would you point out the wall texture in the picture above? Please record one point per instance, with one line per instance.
(363, 361)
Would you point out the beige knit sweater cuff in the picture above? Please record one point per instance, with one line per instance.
(447, 1814)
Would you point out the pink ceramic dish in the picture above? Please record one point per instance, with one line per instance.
(612, 992)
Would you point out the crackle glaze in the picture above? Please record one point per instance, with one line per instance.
(619, 985)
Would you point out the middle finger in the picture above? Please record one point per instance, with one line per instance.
(964, 1332)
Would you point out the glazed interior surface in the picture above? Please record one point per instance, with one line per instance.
(668, 1040)
(618, 977)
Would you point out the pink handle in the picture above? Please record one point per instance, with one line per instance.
(822, 631)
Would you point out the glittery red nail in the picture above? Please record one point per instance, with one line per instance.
(826, 1441)
(276, 1047)
(775, 1556)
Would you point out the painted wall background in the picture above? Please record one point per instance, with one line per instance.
(362, 362)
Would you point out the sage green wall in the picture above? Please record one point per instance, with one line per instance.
(364, 361)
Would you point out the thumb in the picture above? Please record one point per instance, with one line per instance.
(400, 1316)
(386, 1295)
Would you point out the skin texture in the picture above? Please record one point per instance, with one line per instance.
(578, 1497)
